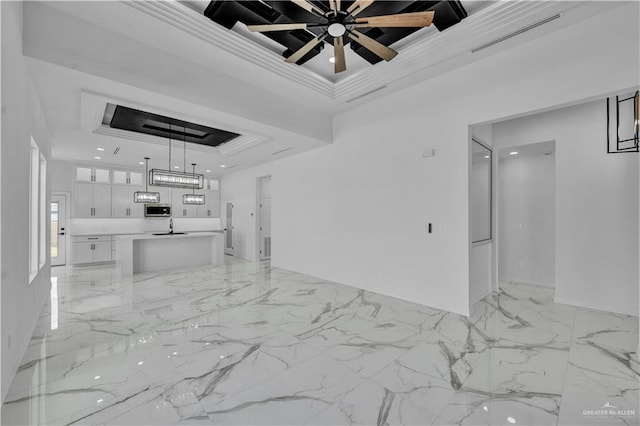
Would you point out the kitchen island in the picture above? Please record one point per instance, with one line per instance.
(149, 252)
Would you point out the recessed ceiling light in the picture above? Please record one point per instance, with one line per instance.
(176, 167)
(486, 156)
(141, 162)
(332, 59)
(208, 171)
(96, 377)
(100, 149)
(140, 363)
(98, 158)
(223, 166)
(511, 420)
(99, 401)
(513, 153)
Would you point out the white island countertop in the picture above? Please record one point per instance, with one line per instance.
(148, 252)
(152, 236)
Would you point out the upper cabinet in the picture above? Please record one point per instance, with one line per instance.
(91, 200)
(108, 192)
(212, 184)
(93, 174)
(128, 177)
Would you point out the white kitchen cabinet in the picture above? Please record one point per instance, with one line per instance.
(179, 209)
(128, 177)
(92, 200)
(211, 206)
(212, 184)
(93, 174)
(91, 249)
(122, 204)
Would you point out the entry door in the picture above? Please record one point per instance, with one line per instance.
(228, 240)
(58, 230)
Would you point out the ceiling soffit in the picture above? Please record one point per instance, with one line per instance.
(414, 61)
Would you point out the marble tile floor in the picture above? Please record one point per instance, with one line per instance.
(247, 344)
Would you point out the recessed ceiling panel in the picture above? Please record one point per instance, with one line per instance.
(135, 120)
(228, 13)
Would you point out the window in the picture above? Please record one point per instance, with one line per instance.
(43, 212)
(37, 211)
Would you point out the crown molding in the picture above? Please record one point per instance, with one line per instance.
(423, 58)
(187, 20)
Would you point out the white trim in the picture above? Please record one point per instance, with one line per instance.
(581, 304)
(526, 282)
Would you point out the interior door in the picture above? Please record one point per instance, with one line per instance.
(265, 228)
(228, 234)
(58, 217)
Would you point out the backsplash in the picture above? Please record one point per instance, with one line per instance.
(80, 226)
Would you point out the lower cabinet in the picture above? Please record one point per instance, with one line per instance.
(91, 249)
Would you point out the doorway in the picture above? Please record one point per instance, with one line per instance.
(58, 218)
(228, 230)
(264, 217)
(526, 212)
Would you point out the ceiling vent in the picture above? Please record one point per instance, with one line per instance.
(281, 151)
(116, 151)
(515, 33)
(366, 94)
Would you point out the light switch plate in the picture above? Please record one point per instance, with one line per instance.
(428, 153)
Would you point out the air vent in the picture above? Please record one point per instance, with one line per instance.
(515, 33)
(281, 151)
(366, 94)
(116, 151)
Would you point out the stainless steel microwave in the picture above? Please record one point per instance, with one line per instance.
(157, 210)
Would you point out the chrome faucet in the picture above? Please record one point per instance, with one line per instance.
(171, 226)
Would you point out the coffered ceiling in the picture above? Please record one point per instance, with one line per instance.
(172, 60)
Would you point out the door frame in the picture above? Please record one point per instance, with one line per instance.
(67, 219)
(229, 251)
(258, 218)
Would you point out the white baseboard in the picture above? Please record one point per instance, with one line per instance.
(521, 281)
(582, 304)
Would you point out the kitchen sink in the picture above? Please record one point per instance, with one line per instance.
(170, 233)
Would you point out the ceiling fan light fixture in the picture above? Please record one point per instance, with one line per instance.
(336, 29)
(337, 23)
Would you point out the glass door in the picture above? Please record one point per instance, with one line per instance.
(58, 230)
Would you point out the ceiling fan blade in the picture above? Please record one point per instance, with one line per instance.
(297, 55)
(276, 27)
(358, 6)
(308, 7)
(379, 49)
(338, 54)
(338, 5)
(414, 19)
(332, 4)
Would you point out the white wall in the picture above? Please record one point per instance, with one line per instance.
(62, 176)
(22, 118)
(596, 206)
(356, 211)
(527, 194)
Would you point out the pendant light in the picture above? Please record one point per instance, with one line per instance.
(146, 196)
(175, 179)
(193, 198)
